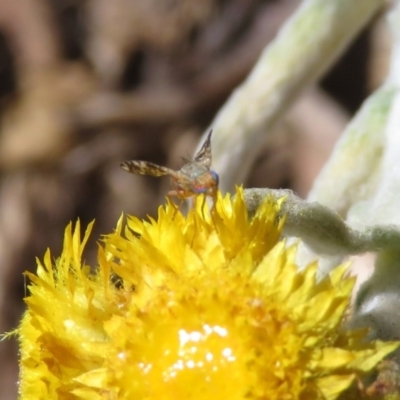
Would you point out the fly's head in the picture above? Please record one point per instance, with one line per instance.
(206, 183)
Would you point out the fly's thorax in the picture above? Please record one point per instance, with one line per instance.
(193, 170)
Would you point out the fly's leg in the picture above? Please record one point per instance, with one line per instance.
(213, 210)
(176, 206)
(180, 195)
(194, 207)
(202, 205)
(214, 202)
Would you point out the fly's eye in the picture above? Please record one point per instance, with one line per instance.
(215, 176)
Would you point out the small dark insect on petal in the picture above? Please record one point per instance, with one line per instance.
(195, 177)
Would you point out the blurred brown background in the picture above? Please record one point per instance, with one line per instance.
(87, 84)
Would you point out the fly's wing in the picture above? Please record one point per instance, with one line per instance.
(146, 168)
(204, 155)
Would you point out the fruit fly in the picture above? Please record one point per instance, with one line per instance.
(195, 177)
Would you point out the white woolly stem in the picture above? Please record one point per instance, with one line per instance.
(362, 178)
(304, 49)
(394, 21)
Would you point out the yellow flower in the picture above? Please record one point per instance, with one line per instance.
(198, 307)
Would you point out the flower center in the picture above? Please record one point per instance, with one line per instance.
(201, 363)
